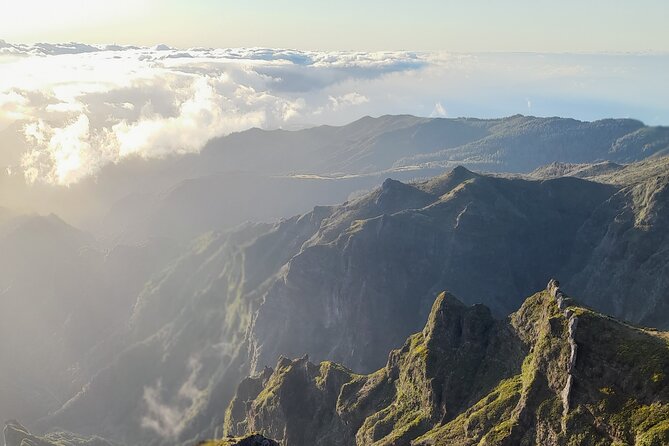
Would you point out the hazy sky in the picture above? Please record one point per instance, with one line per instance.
(463, 25)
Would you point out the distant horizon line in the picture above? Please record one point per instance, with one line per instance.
(161, 46)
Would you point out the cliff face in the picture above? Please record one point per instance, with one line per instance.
(628, 244)
(368, 277)
(553, 373)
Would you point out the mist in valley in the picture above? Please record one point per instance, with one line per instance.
(201, 239)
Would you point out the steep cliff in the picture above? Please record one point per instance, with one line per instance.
(553, 373)
(385, 256)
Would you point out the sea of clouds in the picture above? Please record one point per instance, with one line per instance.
(66, 110)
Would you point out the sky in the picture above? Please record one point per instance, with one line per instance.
(155, 78)
(370, 25)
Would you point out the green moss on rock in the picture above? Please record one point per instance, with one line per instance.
(545, 375)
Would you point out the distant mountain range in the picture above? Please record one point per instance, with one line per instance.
(270, 174)
(287, 172)
(393, 143)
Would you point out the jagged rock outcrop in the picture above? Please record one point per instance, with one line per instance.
(468, 379)
(17, 435)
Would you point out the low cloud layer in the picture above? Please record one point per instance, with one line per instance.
(168, 419)
(77, 107)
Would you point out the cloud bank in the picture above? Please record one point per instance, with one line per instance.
(79, 107)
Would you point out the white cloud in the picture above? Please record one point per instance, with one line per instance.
(347, 100)
(13, 106)
(65, 154)
(168, 418)
(99, 105)
(439, 111)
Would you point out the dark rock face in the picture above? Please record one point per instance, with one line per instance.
(367, 278)
(627, 243)
(469, 380)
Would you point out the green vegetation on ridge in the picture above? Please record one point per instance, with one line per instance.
(470, 380)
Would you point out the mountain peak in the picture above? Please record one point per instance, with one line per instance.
(461, 170)
(451, 322)
(394, 196)
(443, 184)
(389, 183)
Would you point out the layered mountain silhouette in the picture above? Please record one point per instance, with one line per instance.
(143, 322)
(286, 172)
(513, 144)
(349, 283)
(552, 373)
(269, 174)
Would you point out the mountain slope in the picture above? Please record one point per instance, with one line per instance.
(384, 257)
(215, 185)
(553, 373)
(512, 144)
(522, 143)
(349, 283)
(211, 292)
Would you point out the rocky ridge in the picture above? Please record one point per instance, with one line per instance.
(553, 373)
